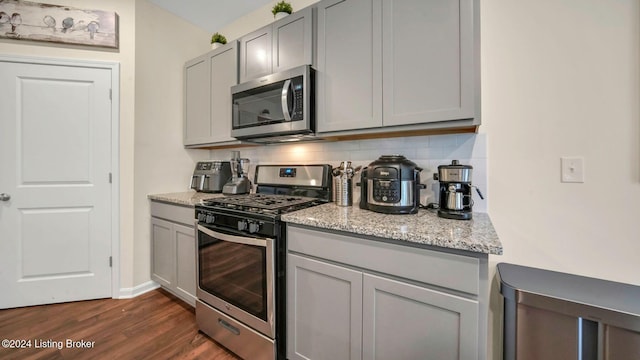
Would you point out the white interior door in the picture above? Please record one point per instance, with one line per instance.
(55, 164)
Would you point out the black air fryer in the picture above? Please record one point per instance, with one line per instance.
(391, 185)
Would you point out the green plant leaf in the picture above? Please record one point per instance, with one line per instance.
(282, 6)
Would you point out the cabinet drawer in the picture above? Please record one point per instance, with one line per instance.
(447, 270)
(176, 213)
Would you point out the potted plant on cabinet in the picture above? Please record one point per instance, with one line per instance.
(281, 10)
(217, 40)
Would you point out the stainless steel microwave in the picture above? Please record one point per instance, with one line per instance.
(276, 107)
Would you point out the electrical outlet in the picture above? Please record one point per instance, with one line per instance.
(572, 169)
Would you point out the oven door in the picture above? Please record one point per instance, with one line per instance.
(236, 276)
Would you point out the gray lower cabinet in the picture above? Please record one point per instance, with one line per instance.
(356, 298)
(405, 321)
(324, 310)
(173, 250)
(386, 65)
(207, 97)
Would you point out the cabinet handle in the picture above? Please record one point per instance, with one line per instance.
(229, 327)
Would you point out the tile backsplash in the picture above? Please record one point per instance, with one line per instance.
(426, 151)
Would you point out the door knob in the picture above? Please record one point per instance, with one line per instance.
(5, 197)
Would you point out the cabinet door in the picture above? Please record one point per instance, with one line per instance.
(197, 116)
(324, 310)
(293, 40)
(349, 76)
(255, 54)
(428, 61)
(185, 241)
(404, 321)
(224, 74)
(620, 343)
(162, 252)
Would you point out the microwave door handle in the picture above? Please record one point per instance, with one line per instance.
(285, 97)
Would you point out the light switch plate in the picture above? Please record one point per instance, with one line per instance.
(572, 169)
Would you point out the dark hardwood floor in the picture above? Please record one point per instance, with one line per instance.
(155, 325)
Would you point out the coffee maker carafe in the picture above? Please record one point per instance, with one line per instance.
(455, 191)
(239, 183)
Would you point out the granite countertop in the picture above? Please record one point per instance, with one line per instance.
(186, 198)
(425, 227)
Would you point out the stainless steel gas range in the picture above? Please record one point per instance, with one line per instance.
(241, 260)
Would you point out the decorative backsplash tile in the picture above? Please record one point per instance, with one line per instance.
(426, 151)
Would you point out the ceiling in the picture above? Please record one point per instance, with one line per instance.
(211, 15)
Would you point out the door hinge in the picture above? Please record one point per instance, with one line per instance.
(110, 94)
(110, 261)
(110, 178)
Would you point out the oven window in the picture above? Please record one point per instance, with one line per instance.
(235, 273)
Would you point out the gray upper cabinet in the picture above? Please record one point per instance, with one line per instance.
(284, 44)
(207, 103)
(349, 76)
(293, 40)
(255, 54)
(197, 116)
(427, 61)
(397, 64)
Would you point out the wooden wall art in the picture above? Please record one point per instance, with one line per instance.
(25, 20)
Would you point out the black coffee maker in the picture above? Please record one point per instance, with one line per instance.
(455, 191)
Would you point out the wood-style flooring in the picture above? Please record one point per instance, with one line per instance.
(155, 325)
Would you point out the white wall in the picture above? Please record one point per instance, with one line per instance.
(561, 78)
(164, 43)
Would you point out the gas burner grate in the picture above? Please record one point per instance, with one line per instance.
(262, 203)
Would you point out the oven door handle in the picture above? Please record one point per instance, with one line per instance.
(233, 238)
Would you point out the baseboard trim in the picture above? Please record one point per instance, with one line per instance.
(128, 293)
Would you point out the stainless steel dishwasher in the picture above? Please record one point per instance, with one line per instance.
(557, 316)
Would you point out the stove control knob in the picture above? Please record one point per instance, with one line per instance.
(254, 227)
(209, 219)
(242, 225)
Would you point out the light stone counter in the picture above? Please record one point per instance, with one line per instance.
(187, 198)
(425, 227)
